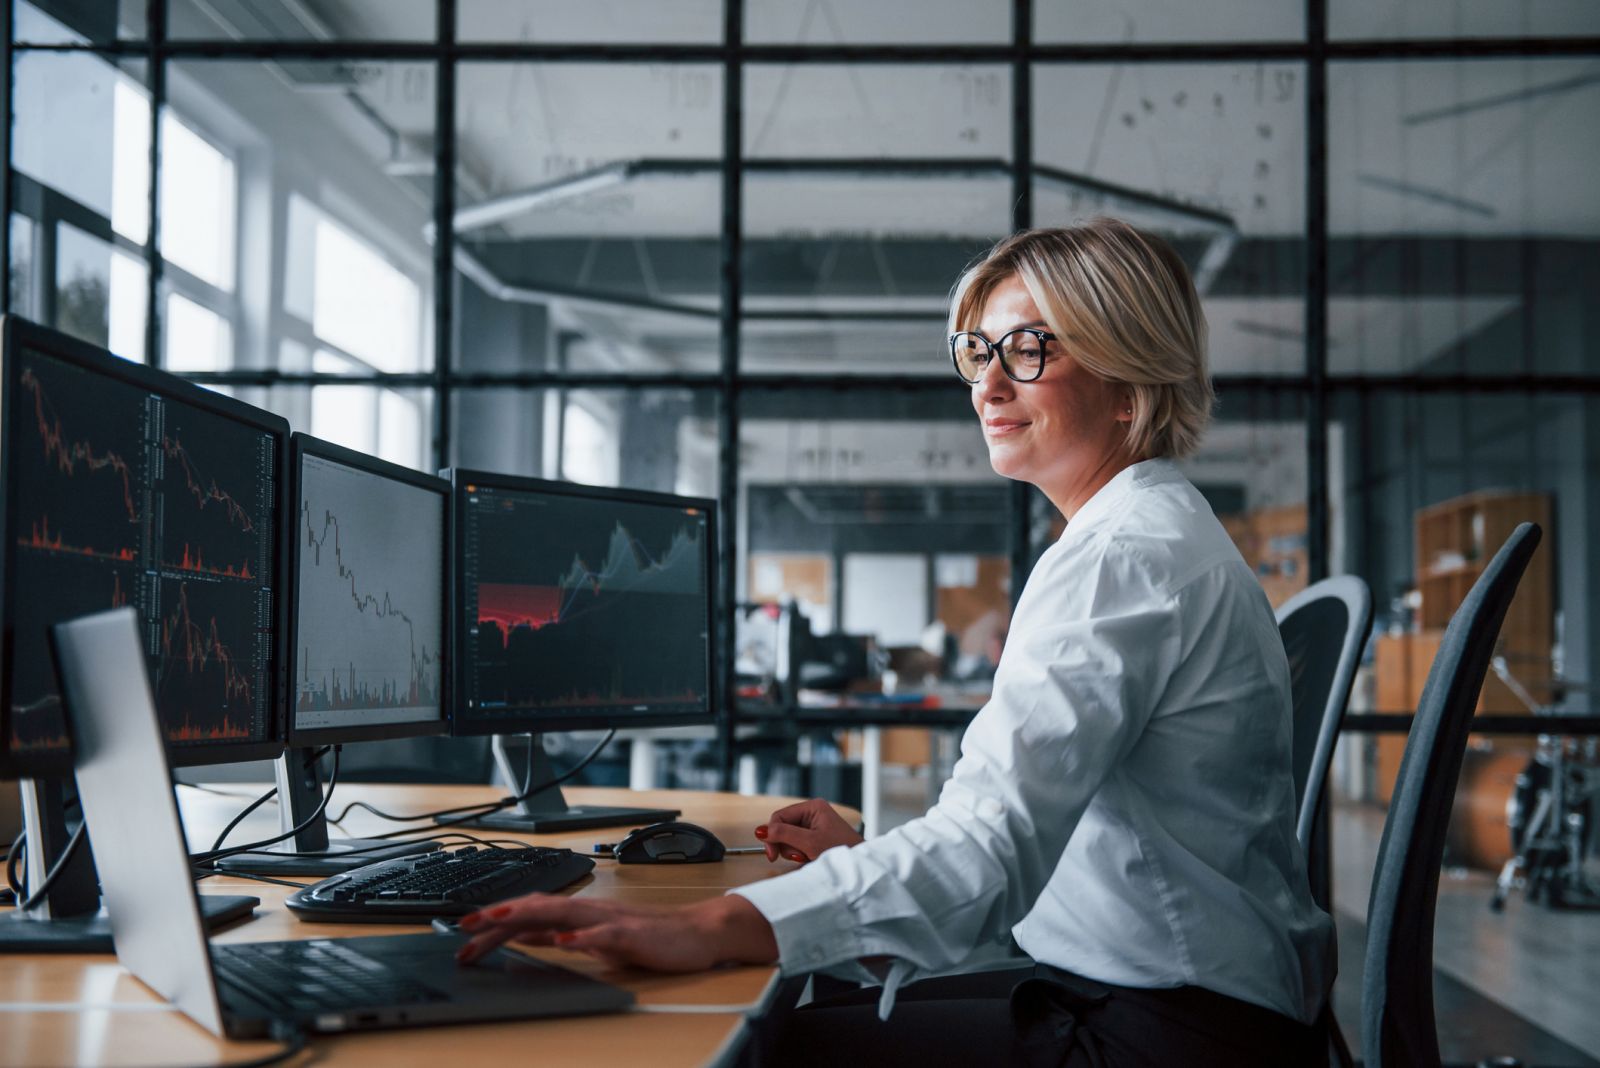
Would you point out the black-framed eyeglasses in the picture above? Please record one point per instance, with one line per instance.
(1021, 353)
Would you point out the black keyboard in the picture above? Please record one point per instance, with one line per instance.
(416, 889)
(301, 978)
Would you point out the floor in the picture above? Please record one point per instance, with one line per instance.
(1524, 982)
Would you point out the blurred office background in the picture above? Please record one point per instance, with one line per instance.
(679, 247)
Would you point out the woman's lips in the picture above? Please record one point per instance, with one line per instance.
(999, 428)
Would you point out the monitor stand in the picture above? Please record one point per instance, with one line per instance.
(546, 811)
(70, 919)
(311, 852)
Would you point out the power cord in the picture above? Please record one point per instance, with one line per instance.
(210, 857)
(293, 1039)
(13, 863)
(258, 802)
(478, 810)
(55, 871)
(456, 837)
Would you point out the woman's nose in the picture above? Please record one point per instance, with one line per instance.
(994, 379)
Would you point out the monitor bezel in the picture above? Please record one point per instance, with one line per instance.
(551, 720)
(17, 333)
(303, 445)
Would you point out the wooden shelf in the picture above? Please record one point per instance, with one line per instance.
(1468, 531)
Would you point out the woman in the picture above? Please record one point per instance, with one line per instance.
(1123, 809)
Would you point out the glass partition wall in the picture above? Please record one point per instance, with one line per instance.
(709, 250)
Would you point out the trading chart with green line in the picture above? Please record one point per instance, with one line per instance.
(577, 604)
(120, 496)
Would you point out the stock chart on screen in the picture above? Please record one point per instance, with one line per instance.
(583, 604)
(370, 607)
(124, 496)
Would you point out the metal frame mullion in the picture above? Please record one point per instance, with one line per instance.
(595, 52)
(156, 57)
(7, 31)
(1316, 291)
(1319, 858)
(732, 266)
(444, 234)
(1020, 493)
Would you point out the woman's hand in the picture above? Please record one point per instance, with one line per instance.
(802, 832)
(663, 938)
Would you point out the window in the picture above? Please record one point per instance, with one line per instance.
(388, 423)
(198, 189)
(197, 338)
(197, 205)
(588, 448)
(361, 303)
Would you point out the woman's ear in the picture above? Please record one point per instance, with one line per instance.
(1125, 408)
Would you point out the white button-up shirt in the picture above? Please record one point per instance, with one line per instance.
(1124, 804)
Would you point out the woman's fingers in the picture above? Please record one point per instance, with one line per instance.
(536, 919)
(793, 843)
(801, 812)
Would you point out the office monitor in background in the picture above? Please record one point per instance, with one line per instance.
(366, 638)
(578, 608)
(126, 486)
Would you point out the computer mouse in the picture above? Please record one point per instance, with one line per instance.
(669, 843)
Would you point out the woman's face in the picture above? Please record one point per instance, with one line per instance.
(1059, 432)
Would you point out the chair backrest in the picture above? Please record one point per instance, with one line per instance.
(1397, 1018)
(1323, 627)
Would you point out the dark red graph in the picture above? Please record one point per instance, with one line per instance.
(194, 560)
(195, 657)
(512, 606)
(40, 536)
(71, 458)
(205, 490)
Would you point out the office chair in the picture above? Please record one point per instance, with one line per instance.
(1334, 614)
(1398, 1027)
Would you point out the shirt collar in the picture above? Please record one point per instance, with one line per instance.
(1108, 498)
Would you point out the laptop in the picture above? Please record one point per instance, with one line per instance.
(252, 990)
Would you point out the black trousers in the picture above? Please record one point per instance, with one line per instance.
(1043, 1016)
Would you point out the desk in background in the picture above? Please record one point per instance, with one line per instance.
(86, 1010)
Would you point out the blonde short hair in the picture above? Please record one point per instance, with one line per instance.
(1124, 307)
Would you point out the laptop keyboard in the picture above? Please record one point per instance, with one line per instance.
(316, 977)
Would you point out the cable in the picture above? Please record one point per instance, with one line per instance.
(483, 808)
(492, 843)
(258, 802)
(251, 807)
(293, 1039)
(210, 790)
(206, 873)
(212, 856)
(505, 803)
(13, 863)
(55, 869)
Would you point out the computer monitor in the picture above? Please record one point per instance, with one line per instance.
(579, 607)
(367, 635)
(124, 485)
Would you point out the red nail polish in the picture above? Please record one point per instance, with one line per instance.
(761, 831)
(563, 937)
(799, 857)
(499, 912)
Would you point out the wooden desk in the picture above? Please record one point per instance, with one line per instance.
(72, 1010)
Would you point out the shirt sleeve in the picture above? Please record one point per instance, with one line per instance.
(1087, 662)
